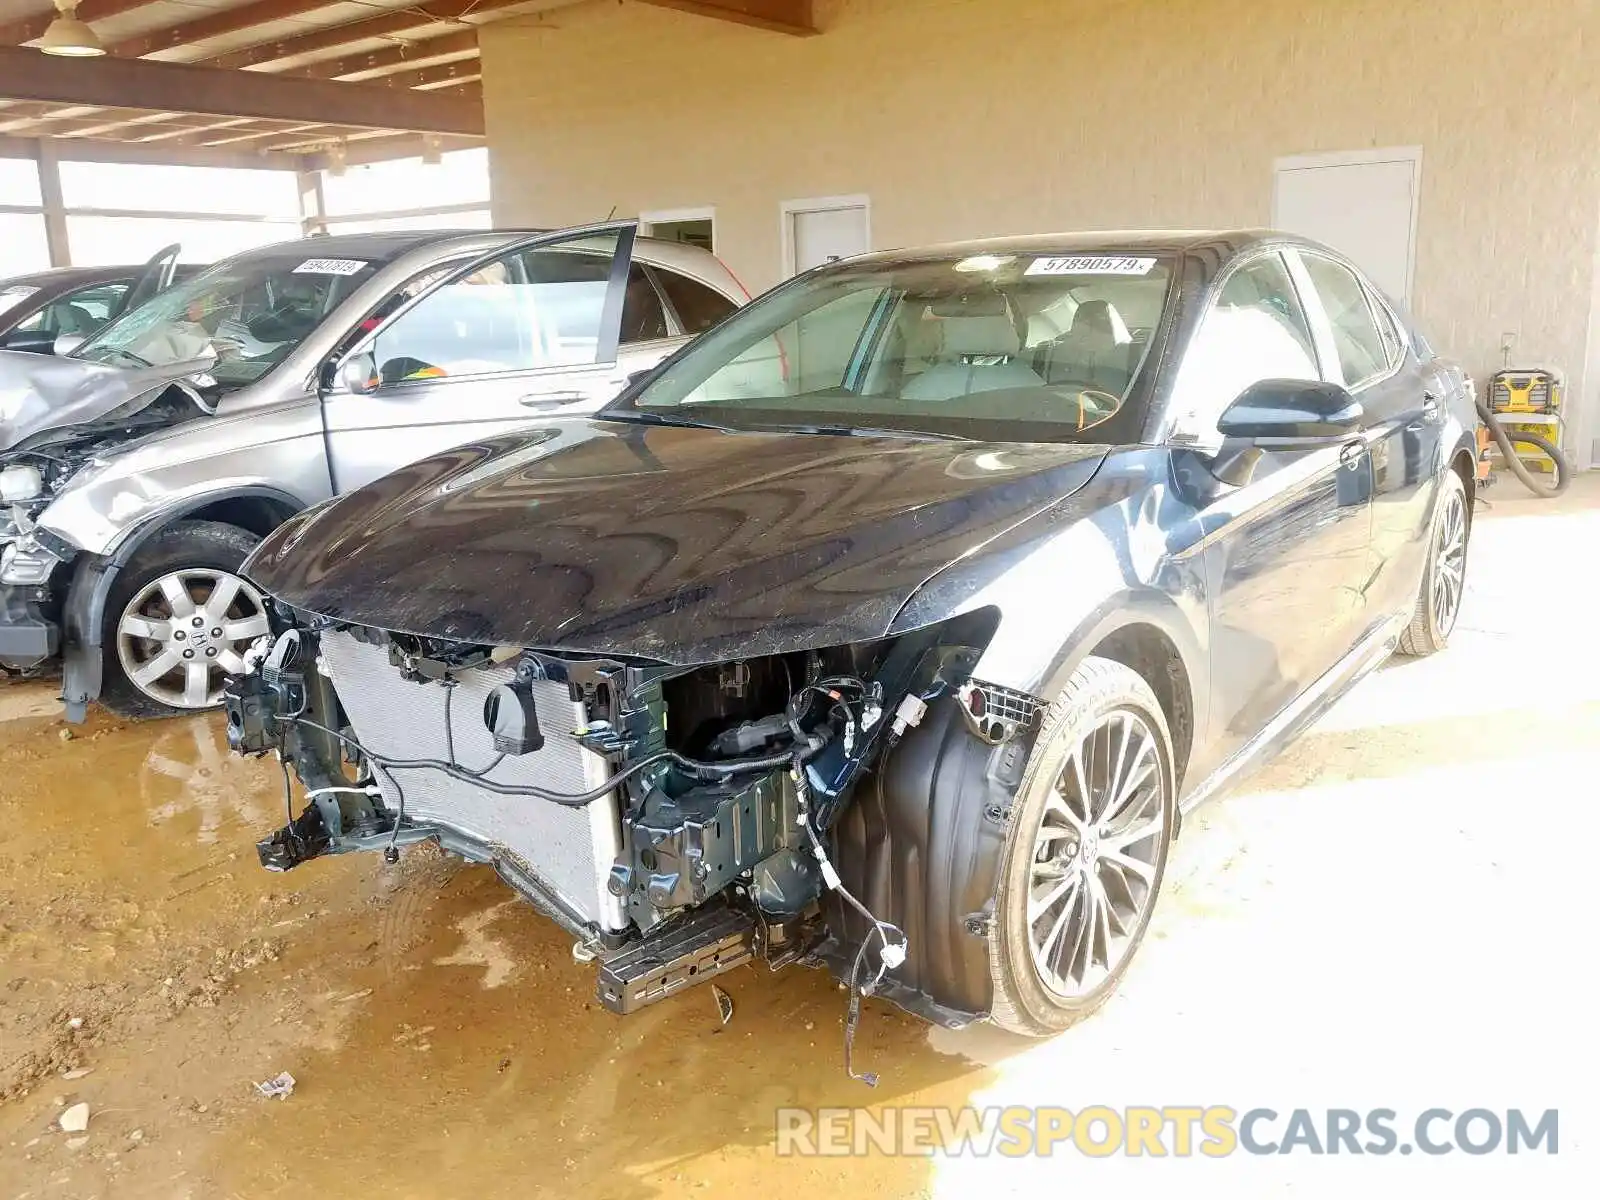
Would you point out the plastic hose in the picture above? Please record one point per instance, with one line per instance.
(1532, 480)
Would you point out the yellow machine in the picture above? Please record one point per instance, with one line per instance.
(1530, 401)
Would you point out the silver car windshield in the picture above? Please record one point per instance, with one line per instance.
(1021, 346)
(247, 314)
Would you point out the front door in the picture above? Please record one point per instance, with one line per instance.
(1286, 546)
(1403, 399)
(527, 332)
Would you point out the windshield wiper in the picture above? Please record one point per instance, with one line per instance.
(117, 350)
(649, 418)
(869, 431)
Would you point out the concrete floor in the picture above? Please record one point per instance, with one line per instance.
(1390, 915)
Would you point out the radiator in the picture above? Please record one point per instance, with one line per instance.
(569, 850)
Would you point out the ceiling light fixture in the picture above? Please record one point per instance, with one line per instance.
(432, 149)
(69, 37)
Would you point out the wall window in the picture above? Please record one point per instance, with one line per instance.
(22, 245)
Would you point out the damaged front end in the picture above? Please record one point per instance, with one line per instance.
(677, 821)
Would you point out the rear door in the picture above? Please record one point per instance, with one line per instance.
(1286, 551)
(528, 331)
(1404, 403)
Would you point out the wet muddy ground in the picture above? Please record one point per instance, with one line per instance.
(1389, 915)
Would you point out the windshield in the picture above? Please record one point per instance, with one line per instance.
(249, 313)
(1006, 347)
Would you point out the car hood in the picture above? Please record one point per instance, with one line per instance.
(677, 545)
(40, 392)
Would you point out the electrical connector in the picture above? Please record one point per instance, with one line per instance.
(908, 716)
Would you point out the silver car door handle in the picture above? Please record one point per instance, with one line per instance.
(549, 399)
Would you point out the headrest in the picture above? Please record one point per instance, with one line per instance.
(1099, 317)
(980, 335)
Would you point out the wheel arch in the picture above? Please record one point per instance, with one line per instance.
(83, 613)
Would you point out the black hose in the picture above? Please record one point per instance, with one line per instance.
(700, 770)
(1532, 480)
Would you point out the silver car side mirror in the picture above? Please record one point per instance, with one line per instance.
(66, 343)
(358, 374)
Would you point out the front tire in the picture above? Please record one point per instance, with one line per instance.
(1086, 851)
(178, 620)
(1444, 579)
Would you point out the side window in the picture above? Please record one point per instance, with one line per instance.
(538, 307)
(1394, 346)
(1363, 355)
(82, 311)
(643, 318)
(697, 306)
(1255, 330)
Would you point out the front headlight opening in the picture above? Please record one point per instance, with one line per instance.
(21, 481)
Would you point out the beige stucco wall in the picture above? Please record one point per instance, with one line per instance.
(963, 118)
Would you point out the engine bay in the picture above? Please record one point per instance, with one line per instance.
(676, 821)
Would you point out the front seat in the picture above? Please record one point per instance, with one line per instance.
(980, 353)
(1097, 350)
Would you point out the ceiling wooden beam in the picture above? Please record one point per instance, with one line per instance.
(396, 25)
(443, 75)
(216, 23)
(25, 29)
(182, 87)
(405, 54)
(779, 16)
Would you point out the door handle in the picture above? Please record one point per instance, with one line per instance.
(549, 399)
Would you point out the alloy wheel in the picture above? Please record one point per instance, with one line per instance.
(185, 632)
(1096, 856)
(1450, 562)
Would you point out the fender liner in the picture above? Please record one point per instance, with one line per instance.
(921, 847)
(83, 614)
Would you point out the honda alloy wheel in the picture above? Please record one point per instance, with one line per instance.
(1086, 852)
(185, 632)
(179, 620)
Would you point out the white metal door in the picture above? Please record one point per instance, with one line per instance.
(1363, 204)
(820, 231)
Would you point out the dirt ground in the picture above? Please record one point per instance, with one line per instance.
(445, 1043)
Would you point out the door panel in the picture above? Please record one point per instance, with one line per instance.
(1286, 552)
(1286, 570)
(1403, 400)
(526, 333)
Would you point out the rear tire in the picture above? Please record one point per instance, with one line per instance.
(1053, 957)
(148, 624)
(1444, 578)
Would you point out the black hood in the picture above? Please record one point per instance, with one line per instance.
(672, 544)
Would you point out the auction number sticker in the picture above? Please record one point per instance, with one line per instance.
(1091, 265)
(330, 266)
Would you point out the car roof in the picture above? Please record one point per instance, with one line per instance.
(70, 277)
(1103, 242)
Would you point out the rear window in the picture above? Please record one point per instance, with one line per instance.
(697, 306)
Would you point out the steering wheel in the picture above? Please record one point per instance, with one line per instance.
(1094, 404)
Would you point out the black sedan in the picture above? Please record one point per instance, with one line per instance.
(73, 302)
(894, 623)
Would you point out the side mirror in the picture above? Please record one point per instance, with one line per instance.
(1291, 414)
(359, 376)
(66, 343)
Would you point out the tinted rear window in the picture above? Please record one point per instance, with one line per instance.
(697, 306)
